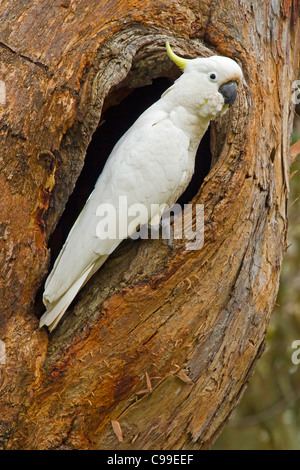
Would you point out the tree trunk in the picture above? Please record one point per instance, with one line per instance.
(161, 343)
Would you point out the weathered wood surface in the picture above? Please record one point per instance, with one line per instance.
(161, 341)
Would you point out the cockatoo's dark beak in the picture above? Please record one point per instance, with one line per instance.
(229, 91)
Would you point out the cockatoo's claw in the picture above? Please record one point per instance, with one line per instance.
(170, 243)
(154, 228)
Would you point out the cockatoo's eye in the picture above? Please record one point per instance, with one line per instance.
(213, 77)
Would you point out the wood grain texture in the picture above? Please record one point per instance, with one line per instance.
(162, 342)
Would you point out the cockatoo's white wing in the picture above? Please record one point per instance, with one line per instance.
(144, 174)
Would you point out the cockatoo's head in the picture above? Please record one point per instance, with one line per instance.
(208, 85)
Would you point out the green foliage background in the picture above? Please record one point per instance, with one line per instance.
(268, 416)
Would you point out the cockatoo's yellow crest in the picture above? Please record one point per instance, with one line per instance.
(179, 61)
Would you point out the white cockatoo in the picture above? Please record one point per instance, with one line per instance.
(151, 165)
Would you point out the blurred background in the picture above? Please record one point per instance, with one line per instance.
(268, 416)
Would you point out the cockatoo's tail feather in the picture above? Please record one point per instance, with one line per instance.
(56, 311)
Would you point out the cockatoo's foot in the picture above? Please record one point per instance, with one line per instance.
(170, 243)
(154, 231)
(155, 228)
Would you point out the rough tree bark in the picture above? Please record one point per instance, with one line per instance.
(161, 341)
